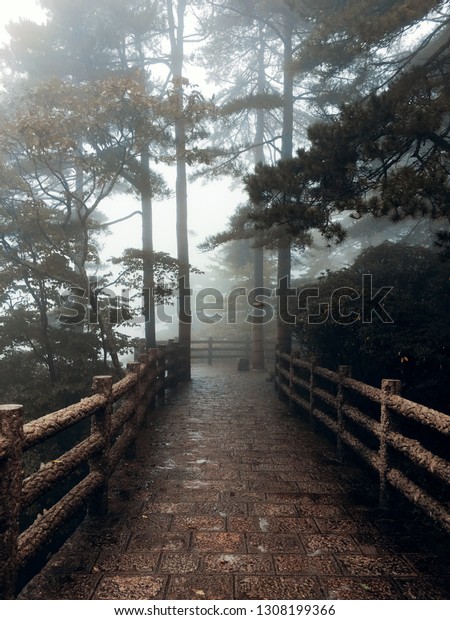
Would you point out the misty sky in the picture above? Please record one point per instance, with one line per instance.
(11, 11)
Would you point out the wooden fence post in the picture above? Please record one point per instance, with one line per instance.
(280, 392)
(133, 422)
(188, 362)
(184, 359)
(343, 371)
(172, 363)
(275, 370)
(248, 348)
(100, 462)
(144, 387)
(311, 387)
(277, 374)
(388, 388)
(169, 361)
(152, 367)
(291, 405)
(11, 478)
(162, 366)
(176, 366)
(210, 351)
(282, 396)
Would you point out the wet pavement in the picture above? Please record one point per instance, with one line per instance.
(233, 497)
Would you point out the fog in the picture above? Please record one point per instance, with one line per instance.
(285, 148)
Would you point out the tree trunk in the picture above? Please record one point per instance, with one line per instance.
(284, 243)
(42, 303)
(258, 256)
(146, 192)
(176, 33)
(111, 345)
(147, 249)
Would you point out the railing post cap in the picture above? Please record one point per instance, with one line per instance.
(101, 380)
(391, 386)
(10, 407)
(133, 366)
(11, 416)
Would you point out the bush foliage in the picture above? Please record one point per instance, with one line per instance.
(414, 347)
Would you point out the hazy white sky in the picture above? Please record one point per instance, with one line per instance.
(14, 10)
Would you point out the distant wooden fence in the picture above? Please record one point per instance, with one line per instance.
(210, 349)
(116, 411)
(407, 444)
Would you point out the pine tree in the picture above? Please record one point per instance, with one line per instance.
(51, 132)
(283, 27)
(386, 154)
(84, 42)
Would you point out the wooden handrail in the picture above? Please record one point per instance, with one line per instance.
(398, 455)
(116, 412)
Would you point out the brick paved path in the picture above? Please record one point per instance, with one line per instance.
(231, 497)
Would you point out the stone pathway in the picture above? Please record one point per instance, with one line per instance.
(232, 497)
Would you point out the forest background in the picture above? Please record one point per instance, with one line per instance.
(132, 129)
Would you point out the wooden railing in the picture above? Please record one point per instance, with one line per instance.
(116, 411)
(407, 444)
(210, 349)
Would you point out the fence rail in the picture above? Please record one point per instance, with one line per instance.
(406, 443)
(116, 412)
(210, 349)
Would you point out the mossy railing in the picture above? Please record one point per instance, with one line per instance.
(406, 443)
(116, 412)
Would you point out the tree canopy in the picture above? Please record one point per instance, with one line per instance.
(386, 154)
(412, 342)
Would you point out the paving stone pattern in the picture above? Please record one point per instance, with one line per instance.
(233, 497)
